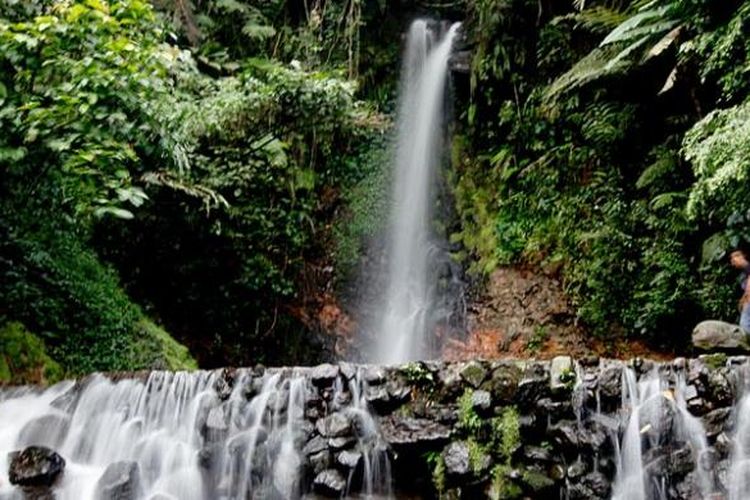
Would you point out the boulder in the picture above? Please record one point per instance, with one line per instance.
(323, 375)
(720, 336)
(121, 481)
(481, 401)
(334, 425)
(413, 432)
(456, 458)
(330, 483)
(474, 373)
(349, 459)
(319, 461)
(35, 466)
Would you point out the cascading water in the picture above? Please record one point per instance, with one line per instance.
(189, 436)
(404, 323)
(657, 420)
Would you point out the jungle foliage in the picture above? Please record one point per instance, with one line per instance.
(607, 142)
(153, 163)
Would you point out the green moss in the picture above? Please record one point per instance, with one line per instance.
(24, 358)
(468, 420)
(506, 433)
(715, 360)
(536, 481)
(477, 454)
(156, 349)
(435, 461)
(501, 487)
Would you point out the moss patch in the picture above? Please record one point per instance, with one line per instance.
(24, 358)
(156, 349)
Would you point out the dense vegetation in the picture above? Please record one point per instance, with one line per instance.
(213, 169)
(608, 142)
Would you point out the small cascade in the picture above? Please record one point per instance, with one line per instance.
(659, 430)
(376, 474)
(220, 435)
(404, 323)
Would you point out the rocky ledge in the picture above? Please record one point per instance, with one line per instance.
(492, 429)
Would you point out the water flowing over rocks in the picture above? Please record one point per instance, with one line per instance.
(482, 429)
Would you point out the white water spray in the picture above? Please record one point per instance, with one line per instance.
(404, 329)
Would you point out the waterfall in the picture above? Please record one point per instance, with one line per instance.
(658, 424)
(404, 323)
(200, 436)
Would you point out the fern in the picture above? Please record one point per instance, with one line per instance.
(636, 27)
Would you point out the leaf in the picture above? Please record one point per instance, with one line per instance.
(120, 213)
(625, 30)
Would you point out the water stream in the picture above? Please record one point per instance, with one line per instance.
(404, 326)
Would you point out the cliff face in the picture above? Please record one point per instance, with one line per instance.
(478, 429)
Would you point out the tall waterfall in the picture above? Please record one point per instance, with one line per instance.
(404, 326)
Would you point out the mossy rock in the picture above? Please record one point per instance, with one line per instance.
(24, 358)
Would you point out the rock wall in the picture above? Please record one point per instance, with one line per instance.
(508, 429)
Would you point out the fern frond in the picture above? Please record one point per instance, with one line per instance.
(636, 26)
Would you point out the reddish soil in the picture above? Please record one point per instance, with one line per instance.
(526, 314)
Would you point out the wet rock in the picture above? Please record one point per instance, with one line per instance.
(536, 483)
(681, 461)
(557, 410)
(120, 481)
(720, 388)
(533, 387)
(334, 425)
(557, 472)
(720, 336)
(223, 385)
(481, 401)
(398, 393)
(537, 454)
(576, 469)
(597, 484)
(315, 445)
(330, 483)
(723, 444)
(35, 466)
(324, 375)
(48, 430)
(374, 375)
(450, 382)
(503, 382)
(474, 373)
(386, 398)
(413, 432)
(716, 421)
(319, 461)
(560, 371)
(349, 459)
(565, 433)
(348, 370)
(341, 442)
(456, 458)
(610, 383)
